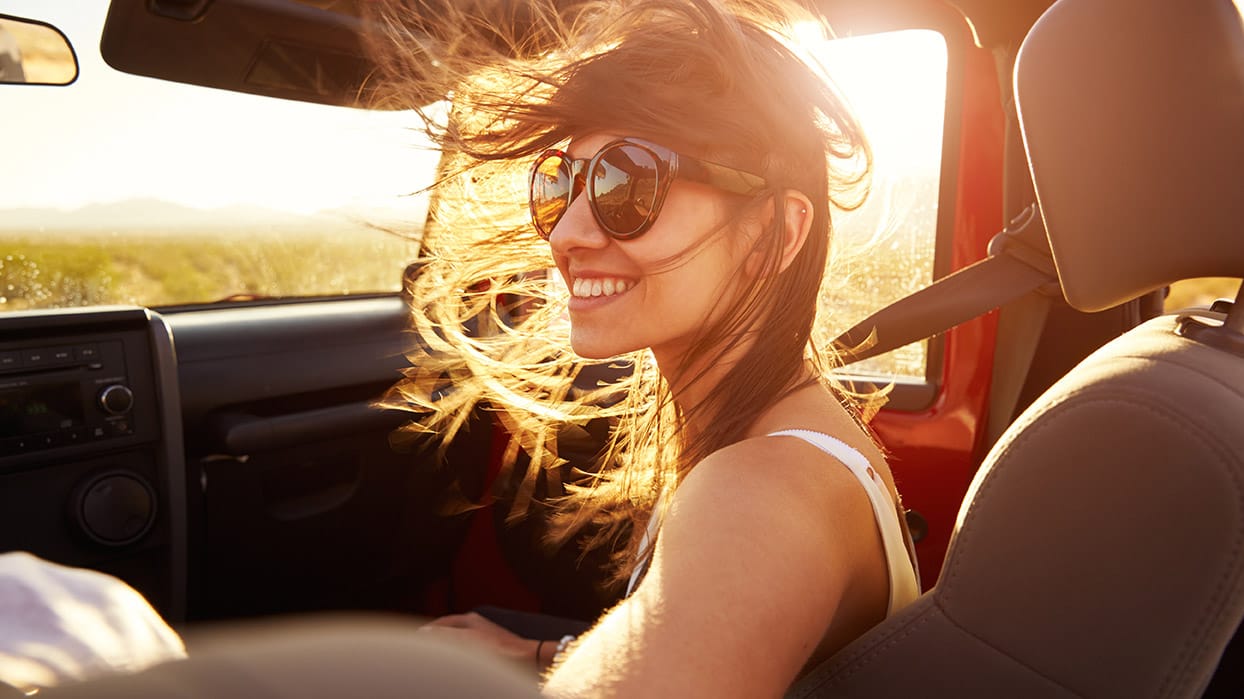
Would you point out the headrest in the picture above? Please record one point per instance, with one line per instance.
(1133, 117)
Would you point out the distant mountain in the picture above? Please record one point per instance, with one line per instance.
(159, 215)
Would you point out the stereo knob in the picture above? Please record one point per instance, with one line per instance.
(116, 399)
(115, 509)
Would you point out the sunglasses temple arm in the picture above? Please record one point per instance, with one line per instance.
(719, 176)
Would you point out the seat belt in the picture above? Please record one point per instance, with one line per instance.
(1019, 329)
(1014, 267)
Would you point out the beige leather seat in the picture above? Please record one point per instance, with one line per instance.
(1100, 550)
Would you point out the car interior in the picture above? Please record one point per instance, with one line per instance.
(1068, 450)
(1022, 596)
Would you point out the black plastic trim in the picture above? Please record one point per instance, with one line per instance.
(242, 434)
(229, 356)
(173, 473)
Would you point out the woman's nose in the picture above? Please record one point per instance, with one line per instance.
(577, 229)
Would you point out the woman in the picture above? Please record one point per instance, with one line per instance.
(683, 160)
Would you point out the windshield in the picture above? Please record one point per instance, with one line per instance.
(131, 190)
(123, 189)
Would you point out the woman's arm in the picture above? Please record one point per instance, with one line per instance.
(759, 544)
(473, 628)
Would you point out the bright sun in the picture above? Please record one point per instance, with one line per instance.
(896, 83)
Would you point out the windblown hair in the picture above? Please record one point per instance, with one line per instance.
(718, 80)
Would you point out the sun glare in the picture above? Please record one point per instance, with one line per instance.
(152, 140)
(896, 83)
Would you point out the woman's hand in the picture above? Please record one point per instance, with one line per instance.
(60, 624)
(473, 628)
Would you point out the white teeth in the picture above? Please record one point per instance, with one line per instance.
(585, 288)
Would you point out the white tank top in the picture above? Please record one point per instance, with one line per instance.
(899, 552)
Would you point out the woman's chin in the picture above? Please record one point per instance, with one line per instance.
(598, 348)
(590, 352)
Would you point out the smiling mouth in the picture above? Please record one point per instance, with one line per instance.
(600, 286)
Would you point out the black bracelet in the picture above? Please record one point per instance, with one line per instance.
(538, 647)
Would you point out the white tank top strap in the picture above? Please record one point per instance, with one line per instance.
(645, 545)
(900, 558)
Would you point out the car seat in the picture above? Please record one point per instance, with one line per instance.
(1100, 549)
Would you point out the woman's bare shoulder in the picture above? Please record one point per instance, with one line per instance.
(786, 478)
(761, 456)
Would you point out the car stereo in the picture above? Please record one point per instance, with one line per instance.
(63, 395)
(91, 466)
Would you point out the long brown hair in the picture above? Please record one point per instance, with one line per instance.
(719, 80)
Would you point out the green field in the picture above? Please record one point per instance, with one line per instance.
(148, 269)
(1200, 292)
(40, 271)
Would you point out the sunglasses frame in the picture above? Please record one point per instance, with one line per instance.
(670, 165)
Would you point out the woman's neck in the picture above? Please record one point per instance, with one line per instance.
(693, 380)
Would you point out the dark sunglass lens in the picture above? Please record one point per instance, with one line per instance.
(624, 188)
(550, 192)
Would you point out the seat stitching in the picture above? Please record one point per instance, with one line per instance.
(1042, 420)
(869, 655)
(1193, 367)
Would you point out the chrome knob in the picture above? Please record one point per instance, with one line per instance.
(116, 399)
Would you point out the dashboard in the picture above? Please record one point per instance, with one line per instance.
(224, 461)
(91, 460)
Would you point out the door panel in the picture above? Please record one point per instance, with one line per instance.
(297, 499)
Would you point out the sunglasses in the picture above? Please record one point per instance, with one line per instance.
(626, 184)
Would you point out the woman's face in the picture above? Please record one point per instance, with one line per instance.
(656, 290)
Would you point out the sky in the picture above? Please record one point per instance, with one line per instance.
(112, 137)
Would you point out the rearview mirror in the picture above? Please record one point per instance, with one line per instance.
(33, 53)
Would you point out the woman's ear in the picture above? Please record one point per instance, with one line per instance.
(797, 212)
